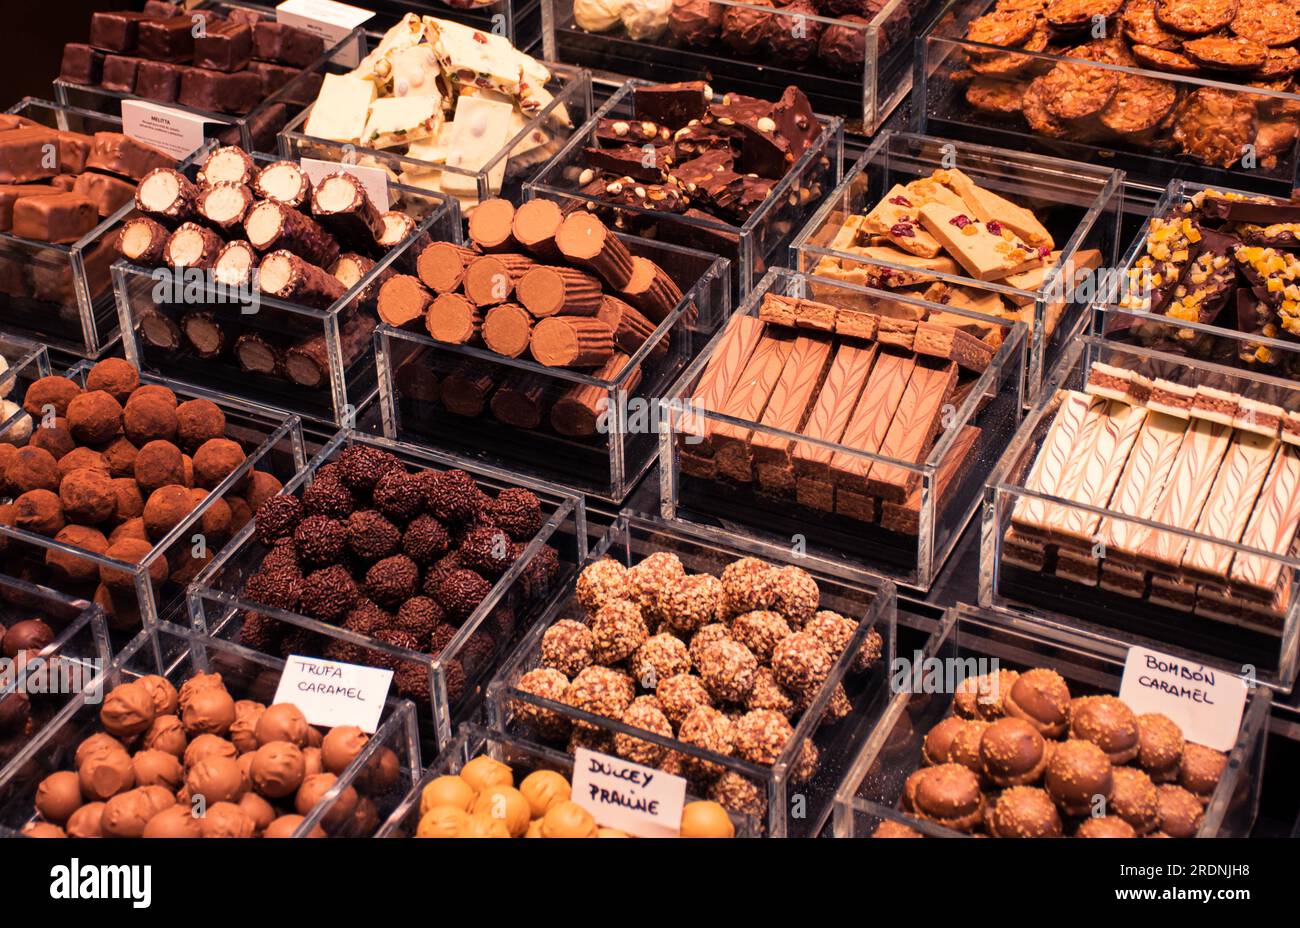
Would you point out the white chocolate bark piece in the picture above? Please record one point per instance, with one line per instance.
(342, 108)
(433, 150)
(897, 218)
(415, 73)
(479, 131)
(990, 207)
(399, 120)
(471, 57)
(406, 34)
(984, 256)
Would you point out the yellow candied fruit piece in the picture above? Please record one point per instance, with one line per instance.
(1181, 254)
(1160, 252)
(971, 229)
(1189, 229)
(1183, 311)
(1292, 292)
(1157, 280)
(1275, 285)
(1275, 264)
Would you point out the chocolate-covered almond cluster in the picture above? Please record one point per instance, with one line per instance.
(400, 557)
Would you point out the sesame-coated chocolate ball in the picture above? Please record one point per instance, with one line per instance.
(680, 695)
(1079, 775)
(690, 604)
(727, 670)
(707, 728)
(451, 496)
(487, 551)
(328, 497)
(984, 697)
(600, 691)
(328, 594)
(548, 684)
(517, 512)
(638, 750)
(392, 581)
(658, 658)
(748, 585)
(1160, 747)
(601, 582)
(399, 496)
(1133, 798)
(761, 735)
(1013, 753)
(459, 592)
(362, 466)
(1201, 770)
(1042, 698)
(319, 541)
(277, 518)
(801, 662)
(198, 421)
(760, 632)
(425, 540)
(617, 630)
(1024, 812)
(420, 615)
(1181, 813)
(568, 646)
(1107, 722)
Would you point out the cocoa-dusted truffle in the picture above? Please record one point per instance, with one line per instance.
(425, 540)
(801, 662)
(617, 630)
(601, 582)
(1181, 813)
(78, 458)
(547, 683)
(88, 497)
(277, 518)
(166, 508)
(71, 568)
(460, 591)
(517, 512)
(399, 496)
(215, 460)
(277, 769)
(361, 466)
(283, 722)
(420, 615)
(1201, 769)
(658, 658)
(568, 647)
(680, 695)
(328, 496)
(1160, 747)
(54, 437)
(600, 691)
(94, 418)
(761, 735)
(745, 29)
(328, 594)
(154, 389)
(149, 418)
(32, 468)
(950, 795)
(115, 376)
(392, 581)
(844, 47)
(451, 496)
(1013, 753)
(128, 710)
(366, 618)
(1078, 772)
(727, 670)
(120, 457)
(1024, 812)
(320, 541)
(261, 486)
(370, 536)
(760, 632)
(1107, 722)
(51, 392)
(127, 501)
(695, 22)
(198, 421)
(159, 464)
(638, 750)
(707, 728)
(690, 603)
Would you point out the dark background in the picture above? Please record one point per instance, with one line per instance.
(35, 35)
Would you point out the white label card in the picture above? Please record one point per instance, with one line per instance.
(1204, 702)
(330, 693)
(375, 180)
(619, 794)
(330, 20)
(176, 132)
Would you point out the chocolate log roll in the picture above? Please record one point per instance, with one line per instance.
(491, 224)
(256, 355)
(402, 300)
(350, 268)
(284, 182)
(235, 263)
(550, 291)
(229, 165)
(168, 195)
(157, 330)
(585, 240)
(577, 413)
(416, 382)
(307, 363)
(287, 276)
(441, 266)
(572, 341)
(225, 205)
(398, 227)
(518, 402)
(535, 225)
(340, 204)
(651, 290)
(507, 329)
(491, 279)
(142, 241)
(192, 245)
(204, 333)
(453, 319)
(273, 226)
(630, 328)
(465, 390)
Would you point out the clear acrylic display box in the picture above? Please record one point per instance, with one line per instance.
(523, 757)
(864, 94)
(783, 806)
(1180, 614)
(966, 636)
(62, 295)
(25, 361)
(940, 107)
(49, 679)
(752, 248)
(253, 131)
(418, 375)
(520, 21)
(456, 676)
(273, 444)
(177, 654)
(332, 346)
(784, 507)
(1218, 344)
(504, 175)
(1080, 205)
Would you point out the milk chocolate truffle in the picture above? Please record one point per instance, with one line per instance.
(226, 820)
(680, 695)
(126, 814)
(105, 774)
(286, 825)
(87, 821)
(216, 778)
(149, 418)
(1012, 753)
(695, 22)
(506, 804)
(166, 733)
(128, 710)
(119, 455)
(1078, 774)
(1024, 812)
(283, 722)
(892, 829)
(27, 635)
(157, 768)
(95, 744)
(1107, 722)
(258, 809)
(1042, 698)
(568, 820)
(215, 460)
(115, 376)
(198, 421)
(32, 468)
(243, 731)
(278, 769)
(1181, 812)
(801, 662)
(176, 821)
(128, 503)
(601, 582)
(1105, 826)
(950, 795)
(544, 789)
(341, 746)
(446, 790)
(78, 458)
(745, 29)
(1200, 770)
(159, 464)
(314, 788)
(795, 38)
(844, 47)
(261, 486)
(39, 511)
(58, 796)
(210, 710)
(54, 437)
(52, 393)
(1160, 747)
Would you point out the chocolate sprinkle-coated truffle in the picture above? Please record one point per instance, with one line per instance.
(278, 588)
(568, 646)
(370, 536)
(328, 497)
(362, 466)
(517, 512)
(328, 594)
(420, 615)
(392, 581)
(320, 541)
(399, 496)
(425, 540)
(487, 551)
(451, 496)
(460, 591)
(277, 518)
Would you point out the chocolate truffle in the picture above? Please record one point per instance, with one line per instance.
(392, 581)
(78, 458)
(937, 746)
(128, 503)
(638, 750)
(794, 38)
(50, 394)
(680, 695)
(567, 646)
(844, 47)
(260, 487)
(1160, 747)
(157, 768)
(126, 814)
(1133, 798)
(278, 769)
(227, 820)
(451, 496)
(177, 821)
(128, 710)
(95, 744)
(120, 457)
(1013, 753)
(341, 746)
(745, 29)
(320, 541)
(370, 536)
(760, 632)
(517, 512)
(1079, 775)
(94, 418)
(314, 788)
(361, 466)
(617, 630)
(215, 460)
(695, 22)
(749, 585)
(159, 464)
(568, 820)
(726, 669)
(210, 710)
(739, 794)
(88, 497)
(1107, 722)
(658, 658)
(328, 497)
(1042, 698)
(601, 582)
(707, 728)
(198, 421)
(149, 418)
(689, 603)
(328, 594)
(761, 735)
(166, 733)
(105, 774)
(1181, 813)
(547, 683)
(277, 518)
(487, 551)
(216, 778)
(115, 376)
(165, 697)
(27, 635)
(32, 468)
(459, 592)
(892, 829)
(801, 662)
(424, 541)
(543, 789)
(950, 795)
(283, 722)
(208, 745)
(58, 796)
(87, 821)
(131, 551)
(71, 568)
(1199, 772)
(54, 437)
(39, 511)
(1024, 812)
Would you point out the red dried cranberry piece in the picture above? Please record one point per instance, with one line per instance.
(903, 230)
(960, 221)
(994, 226)
(901, 201)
